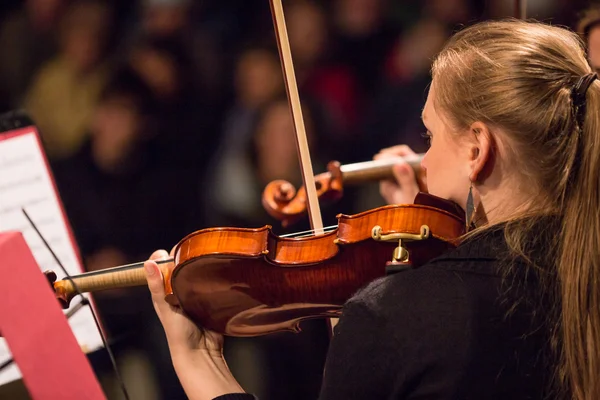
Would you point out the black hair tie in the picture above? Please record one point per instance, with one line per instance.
(578, 96)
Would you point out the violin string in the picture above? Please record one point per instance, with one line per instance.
(325, 230)
(309, 232)
(85, 301)
(309, 235)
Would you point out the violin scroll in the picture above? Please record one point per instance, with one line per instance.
(281, 200)
(62, 295)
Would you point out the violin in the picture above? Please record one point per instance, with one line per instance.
(251, 282)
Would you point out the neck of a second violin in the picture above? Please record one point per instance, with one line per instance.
(110, 278)
(376, 170)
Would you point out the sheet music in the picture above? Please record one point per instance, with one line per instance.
(26, 183)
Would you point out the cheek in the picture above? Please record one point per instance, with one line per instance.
(442, 166)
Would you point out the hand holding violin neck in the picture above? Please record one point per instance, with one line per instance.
(283, 203)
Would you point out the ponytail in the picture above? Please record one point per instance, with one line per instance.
(579, 260)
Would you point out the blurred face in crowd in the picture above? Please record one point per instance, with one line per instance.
(165, 19)
(158, 70)
(450, 11)
(420, 45)
(307, 31)
(358, 17)
(84, 31)
(115, 129)
(594, 47)
(258, 77)
(44, 12)
(276, 144)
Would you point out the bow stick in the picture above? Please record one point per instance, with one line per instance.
(283, 44)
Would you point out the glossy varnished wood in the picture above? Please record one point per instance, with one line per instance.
(399, 219)
(248, 282)
(281, 281)
(233, 241)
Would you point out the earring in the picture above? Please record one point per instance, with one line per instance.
(470, 209)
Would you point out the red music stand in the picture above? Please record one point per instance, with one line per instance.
(38, 334)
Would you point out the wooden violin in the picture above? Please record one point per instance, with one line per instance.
(249, 282)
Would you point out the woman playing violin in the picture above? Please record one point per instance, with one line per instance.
(513, 116)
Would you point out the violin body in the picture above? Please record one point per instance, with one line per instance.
(250, 282)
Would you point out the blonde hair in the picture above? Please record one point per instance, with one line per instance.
(518, 76)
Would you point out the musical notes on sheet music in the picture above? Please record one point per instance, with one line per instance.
(26, 183)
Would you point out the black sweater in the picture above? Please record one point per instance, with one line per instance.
(458, 327)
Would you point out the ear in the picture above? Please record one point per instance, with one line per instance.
(480, 150)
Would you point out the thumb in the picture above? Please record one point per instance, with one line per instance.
(155, 281)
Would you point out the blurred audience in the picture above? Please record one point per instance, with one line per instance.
(27, 39)
(258, 79)
(64, 91)
(172, 20)
(323, 78)
(363, 37)
(109, 187)
(183, 116)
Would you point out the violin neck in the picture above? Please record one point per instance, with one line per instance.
(110, 278)
(376, 170)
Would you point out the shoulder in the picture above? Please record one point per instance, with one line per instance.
(441, 281)
(446, 299)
